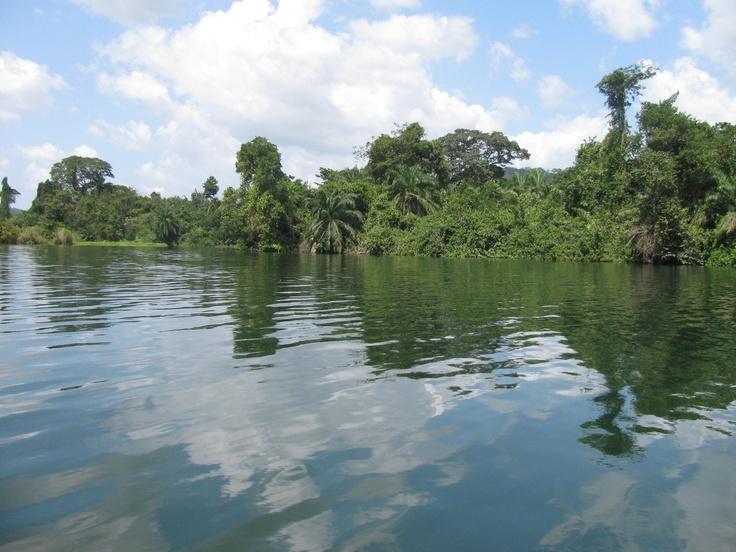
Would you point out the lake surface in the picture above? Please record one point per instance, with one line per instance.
(177, 400)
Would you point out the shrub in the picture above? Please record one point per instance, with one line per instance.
(8, 233)
(31, 235)
(62, 236)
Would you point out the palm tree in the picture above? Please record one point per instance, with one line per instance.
(167, 226)
(334, 220)
(410, 189)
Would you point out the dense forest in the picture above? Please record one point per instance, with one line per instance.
(662, 191)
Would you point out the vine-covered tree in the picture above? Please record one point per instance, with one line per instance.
(259, 164)
(210, 188)
(621, 87)
(7, 198)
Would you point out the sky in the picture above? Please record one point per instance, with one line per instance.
(167, 90)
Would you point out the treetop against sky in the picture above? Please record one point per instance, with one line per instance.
(167, 90)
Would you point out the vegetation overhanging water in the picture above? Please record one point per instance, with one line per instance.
(664, 194)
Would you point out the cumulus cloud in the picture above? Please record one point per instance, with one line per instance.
(502, 55)
(135, 85)
(395, 4)
(715, 40)
(553, 91)
(132, 12)
(84, 150)
(315, 93)
(700, 94)
(627, 20)
(133, 135)
(425, 36)
(556, 146)
(38, 162)
(25, 85)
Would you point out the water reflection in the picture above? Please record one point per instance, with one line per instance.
(221, 401)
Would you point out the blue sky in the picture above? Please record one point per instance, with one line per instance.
(166, 90)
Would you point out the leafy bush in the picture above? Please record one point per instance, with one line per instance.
(32, 235)
(8, 233)
(62, 236)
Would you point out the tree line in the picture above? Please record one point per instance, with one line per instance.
(662, 190)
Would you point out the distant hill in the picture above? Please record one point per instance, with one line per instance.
(511, 171)
(14, 211)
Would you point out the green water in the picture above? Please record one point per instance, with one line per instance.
(171, 400)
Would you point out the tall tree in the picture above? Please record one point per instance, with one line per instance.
(82, 174)
(477, 156)
(621, 87)
(7, 198)
(210, 187)
(259, 164)
(406, 147)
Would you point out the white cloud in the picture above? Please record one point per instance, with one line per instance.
(419, 35)
(133, 135)
(395, 4)
(315, 93)
(84, 150)
(190, 147)
(503, 55)
(553, 91)
(715, 40)
(39, 160)
(557, 146)
(25, 85)
(627, 20)
(4, 163)
(132, 12)
(700, 94)
(523, 31)
(135, 85)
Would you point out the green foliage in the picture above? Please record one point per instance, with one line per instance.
(407, 147)
(259, 164)
(210, 188)
(81, 174)
(664, 194)
(168, 226)
(334, 221)
(8, 232)
(476, 156)
(62, 236)
(7, 198)
(411, 191)
(31, 235)
(621, 87)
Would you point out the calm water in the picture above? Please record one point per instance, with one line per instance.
(164, 400)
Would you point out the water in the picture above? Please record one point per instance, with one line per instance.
(175, 400)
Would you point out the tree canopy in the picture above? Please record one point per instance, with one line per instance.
(259, 164)
(406, 147)
(81, 174)
(477, 156)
